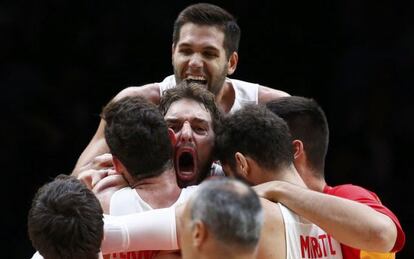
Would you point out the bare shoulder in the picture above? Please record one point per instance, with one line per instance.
(272, 242)
(271, 211)
(267, 94)
(150, 92)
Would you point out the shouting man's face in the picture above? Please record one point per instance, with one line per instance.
(192, 124)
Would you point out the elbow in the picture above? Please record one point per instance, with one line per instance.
(384, 235)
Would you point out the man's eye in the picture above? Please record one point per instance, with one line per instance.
(175, 128)
(200, 130)
(186, 51)
(210, 55)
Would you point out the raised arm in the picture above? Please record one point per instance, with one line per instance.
(97, 145)
(267, 94)
(350, 222)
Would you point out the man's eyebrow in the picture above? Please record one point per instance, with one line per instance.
(176, 120)
(199, 120)
(188, 45)
(172, 119)
(211, 48)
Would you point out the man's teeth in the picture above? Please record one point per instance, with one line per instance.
(197, 78)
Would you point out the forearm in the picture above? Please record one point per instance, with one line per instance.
(96, 147)
(150, 230)
(349, 222)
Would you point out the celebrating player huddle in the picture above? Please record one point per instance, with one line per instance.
(204, 166)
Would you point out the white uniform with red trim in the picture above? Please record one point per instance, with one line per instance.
(306, 240)
(127, 201)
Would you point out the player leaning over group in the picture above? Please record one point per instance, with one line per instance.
(205, 50)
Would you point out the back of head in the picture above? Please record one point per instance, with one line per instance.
(137, 135)
(210, 15)
(258, 133)
(193, 91)
(65, 220)
(231, 211)
(307, 123)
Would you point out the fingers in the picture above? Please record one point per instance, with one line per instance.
(91, 177)
(116, 181)
(103, 161)
(98, 175)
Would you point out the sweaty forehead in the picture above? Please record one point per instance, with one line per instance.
(187, 109)
(201, 35)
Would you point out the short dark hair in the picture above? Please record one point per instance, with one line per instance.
(230, 209)
(66, 220)
(211, 15)
(257, 132)
(137, 135)
(193, 91)
(307, 122)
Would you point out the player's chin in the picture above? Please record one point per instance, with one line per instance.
(185, 179)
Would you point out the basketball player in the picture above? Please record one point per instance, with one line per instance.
(204, 50)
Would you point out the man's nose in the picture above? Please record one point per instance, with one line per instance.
(186, 132)
(196, 61)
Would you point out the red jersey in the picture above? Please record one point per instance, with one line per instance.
(362, 195)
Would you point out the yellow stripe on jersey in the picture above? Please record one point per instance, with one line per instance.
(372, 255)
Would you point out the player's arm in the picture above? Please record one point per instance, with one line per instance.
(97, 145)
(267, 94)
(103, 183)
(350, 222)
(150, 230)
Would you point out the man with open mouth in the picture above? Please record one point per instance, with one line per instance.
(204, 50)
(190, 111)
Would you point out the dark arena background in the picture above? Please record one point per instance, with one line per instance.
(61, 61)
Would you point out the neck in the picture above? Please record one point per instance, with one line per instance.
(226, 97)
(159, 191)
(166, 177)
(314, 179)
(314, 182)
(287, 174)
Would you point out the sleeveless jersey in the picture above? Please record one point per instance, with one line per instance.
(306, 240)
(245, 92)
(127, 201)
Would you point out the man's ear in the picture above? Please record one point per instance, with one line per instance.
(119, 167)
(232, 64)
(172, 137)
(199, 233)
(242, 164)
(298, 150)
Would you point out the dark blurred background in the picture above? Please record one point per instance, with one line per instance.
(61, 61)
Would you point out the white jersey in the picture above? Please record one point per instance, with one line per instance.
(245, 92)
(306, 240)
(127, 201)
(37, 256)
